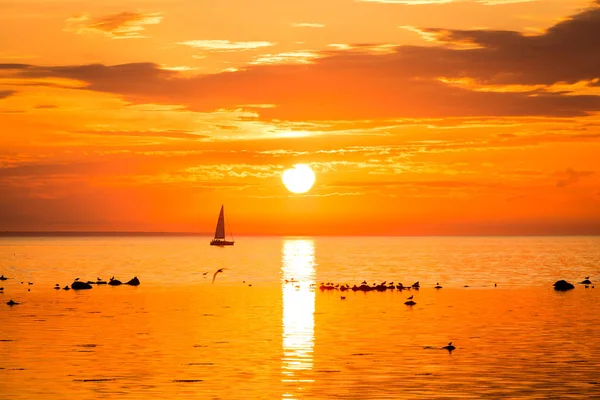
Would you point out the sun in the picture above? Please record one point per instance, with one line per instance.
(298, 179)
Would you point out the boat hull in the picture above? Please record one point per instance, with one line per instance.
(221, 243)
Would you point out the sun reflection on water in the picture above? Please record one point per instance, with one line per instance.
(298, 278)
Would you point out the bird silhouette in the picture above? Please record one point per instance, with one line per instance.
(450, 347)
(215, 275)
(410, 298)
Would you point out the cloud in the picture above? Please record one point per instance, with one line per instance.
(361, 85)
(6, 93)
(424, 2)
(307, 25)
(566, 52)
(125, 25)
(172, 134)
(572, 177)
(428, 184)
(285, 196)
(407, 2)
(225, 45)
(302, 57)
(500, 74)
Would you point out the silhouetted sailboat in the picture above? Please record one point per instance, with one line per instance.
(219, 239)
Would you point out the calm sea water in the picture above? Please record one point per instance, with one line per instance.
(179, 336)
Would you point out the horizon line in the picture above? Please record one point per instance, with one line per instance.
(209, 234)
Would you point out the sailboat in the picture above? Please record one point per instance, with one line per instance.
(219, 239)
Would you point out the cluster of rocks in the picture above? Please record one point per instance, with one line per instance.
(79, 285)
(563, 286)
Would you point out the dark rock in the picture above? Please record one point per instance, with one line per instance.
(115, 282)
(563, 285)
(133, 282)
(586, 282)
(77, 285)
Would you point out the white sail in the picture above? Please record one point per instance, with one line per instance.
(220, 232)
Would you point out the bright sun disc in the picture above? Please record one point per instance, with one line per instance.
(298, 179)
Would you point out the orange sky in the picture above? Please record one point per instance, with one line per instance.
(418, 116)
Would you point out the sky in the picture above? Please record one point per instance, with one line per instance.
(419, 117)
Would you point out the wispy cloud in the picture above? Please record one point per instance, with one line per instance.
(307, 25)
(256, 105)
(408, 2)
(301, 57)
(125, 25)
(285, 196)
(226, 45)
(572, 177)
(423, 2)
(5, 93)
(500, 2)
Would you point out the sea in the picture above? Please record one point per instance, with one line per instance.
(263, 329)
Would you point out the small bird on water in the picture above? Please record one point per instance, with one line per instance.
(450, 347)
(215, 275)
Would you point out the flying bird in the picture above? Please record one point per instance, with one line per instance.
(215, 275)
(410, 298)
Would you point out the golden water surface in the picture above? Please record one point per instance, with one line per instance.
(178, 336)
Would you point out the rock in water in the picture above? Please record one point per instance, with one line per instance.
(563, 285)
(586, 282)
(77, 285)
(133, 282)
(115, 282)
